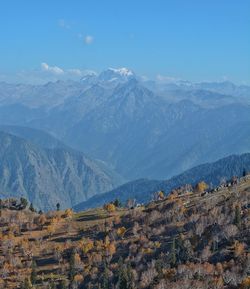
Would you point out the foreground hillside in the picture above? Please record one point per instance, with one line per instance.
(46, 176)
(194, 238)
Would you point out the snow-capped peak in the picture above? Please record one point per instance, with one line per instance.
(116, 75)
(89, 74)
(123, 71)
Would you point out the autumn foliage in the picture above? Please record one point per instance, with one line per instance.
(187, 239)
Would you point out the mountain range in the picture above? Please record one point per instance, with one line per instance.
(47, 176)
(126, 125)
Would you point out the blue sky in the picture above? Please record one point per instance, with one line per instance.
(190, 39)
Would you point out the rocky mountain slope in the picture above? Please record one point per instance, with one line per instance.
(48, 176)
(37, 137)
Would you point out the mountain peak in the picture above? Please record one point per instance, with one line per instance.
(88, 76)
(123, 71)
(116, 75)
(130, 85)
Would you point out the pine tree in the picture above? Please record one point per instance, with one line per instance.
(33, 276)
(24, 202)
(62, 285)
(184, 250)
(117, 203)
(31, 208)
(215, 245)
(173, 253)
(122, 275)
(237, 219)
(26, 284)
(52, 285)
(105, 280)
(159, 268)
(72, 269)
(130, 275)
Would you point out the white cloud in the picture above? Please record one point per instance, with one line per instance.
(62, 23)
(144, 78)
(51, 69)
(60, 73)
(75, 71)
(225, 78)
(166, 79)
(88, 39)
(45, 73)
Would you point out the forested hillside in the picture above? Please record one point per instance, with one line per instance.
(142, 190)
(193, 238)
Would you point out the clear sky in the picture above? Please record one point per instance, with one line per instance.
(190, 39)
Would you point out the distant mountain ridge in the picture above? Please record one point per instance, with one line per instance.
(152, 129)
(46, 176)
(38, 137)
(143, 189)
(143, 135)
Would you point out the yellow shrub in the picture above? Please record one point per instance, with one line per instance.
(121, 231)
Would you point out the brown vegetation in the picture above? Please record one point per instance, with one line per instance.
(186, 240)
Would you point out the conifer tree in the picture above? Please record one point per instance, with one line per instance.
(31, 208)
(237, 219)
(24, 202)
(72, 269)
(62, 284)
(131, 283)
(105, 281)
(33, 276)
(26, 284)
(52, 285)
(173, 253)
(159, 268)
(215, 245)
(122, 275)
(117, 203)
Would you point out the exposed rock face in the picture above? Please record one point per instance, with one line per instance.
(48, 176)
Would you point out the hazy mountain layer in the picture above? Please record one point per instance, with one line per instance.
(141, 129)
(142, 190)
(48, 176)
